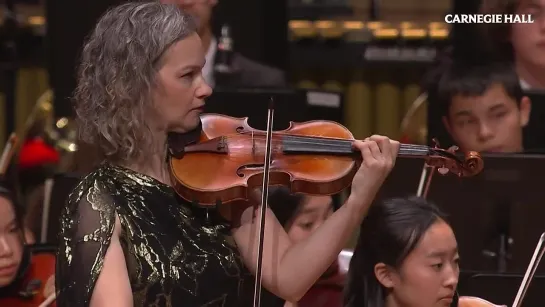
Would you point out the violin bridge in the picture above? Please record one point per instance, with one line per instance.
(215, 145)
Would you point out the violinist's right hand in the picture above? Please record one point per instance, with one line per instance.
(379, 154)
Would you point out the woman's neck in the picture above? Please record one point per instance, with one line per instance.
(391, 301)
(534, 76)
(153, 162)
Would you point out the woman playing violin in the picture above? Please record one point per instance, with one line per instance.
(23, 280)
(126, 238)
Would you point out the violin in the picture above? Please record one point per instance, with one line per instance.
(315, 157)
(231, 160)
(471, 301)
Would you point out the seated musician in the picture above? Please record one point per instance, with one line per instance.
(21, 282)
(406, 256)
(301, 215)
(483, 107)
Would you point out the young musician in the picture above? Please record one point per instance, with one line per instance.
(406, 256)
(23, 280)
(522, 42)
(301, 215)
(247, 73)
(126, 238)
(483, 107)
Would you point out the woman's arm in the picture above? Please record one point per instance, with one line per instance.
(91, 268)
(289, 270)
(112, 287)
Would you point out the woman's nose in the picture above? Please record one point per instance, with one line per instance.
(5, 249)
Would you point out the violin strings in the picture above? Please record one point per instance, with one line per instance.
(324, 139)
(331, 143)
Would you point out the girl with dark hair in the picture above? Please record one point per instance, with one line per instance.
(25, 280)
(407, 255)
(11, 236)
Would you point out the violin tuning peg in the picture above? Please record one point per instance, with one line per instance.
(443, 170)
(453, 149)
(435, 143)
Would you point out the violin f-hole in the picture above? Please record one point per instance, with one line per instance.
(250, 167)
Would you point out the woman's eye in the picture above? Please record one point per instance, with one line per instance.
(306, 225)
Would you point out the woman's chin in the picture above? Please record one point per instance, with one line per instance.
(194, 127)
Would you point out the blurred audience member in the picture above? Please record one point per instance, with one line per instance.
(245, 72)
(522, 43)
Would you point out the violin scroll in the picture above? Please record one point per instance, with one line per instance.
(448, 160)
(473, 163)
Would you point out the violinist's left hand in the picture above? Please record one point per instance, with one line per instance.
(379, 154)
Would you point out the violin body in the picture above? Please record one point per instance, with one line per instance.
(41, 269)
(471, 301)
(228, 161)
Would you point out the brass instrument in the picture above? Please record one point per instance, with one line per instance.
(414, 125)
(60, 133)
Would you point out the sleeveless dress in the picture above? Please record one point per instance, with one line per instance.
(174, 256)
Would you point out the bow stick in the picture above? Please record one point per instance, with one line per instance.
(263, 209)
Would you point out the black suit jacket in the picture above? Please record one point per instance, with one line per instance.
(249, 73)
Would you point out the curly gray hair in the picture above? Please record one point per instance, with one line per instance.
(118, 72)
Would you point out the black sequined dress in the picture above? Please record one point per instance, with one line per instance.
(173, 257)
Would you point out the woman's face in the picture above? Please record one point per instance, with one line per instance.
(11, 243)
(313, 212)
(429, 275)
(181, 89)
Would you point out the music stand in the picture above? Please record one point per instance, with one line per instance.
(289, 105)
(534, 132)
(501, 289)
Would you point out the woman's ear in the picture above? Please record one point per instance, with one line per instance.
(384, 275)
